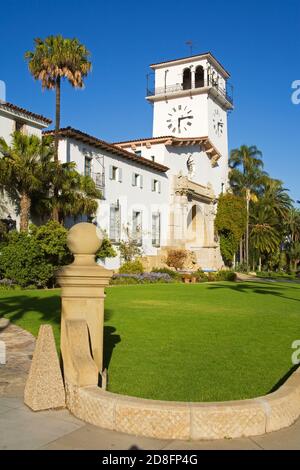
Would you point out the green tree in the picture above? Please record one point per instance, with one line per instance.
(52, 60)
(106, 249)
(264, 237)
(246, 177)
(230, 223)
(33, 258)
(76, 194)
(23, 164)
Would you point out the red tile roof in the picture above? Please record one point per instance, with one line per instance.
(69, 132)
(192, 57)
(13, 107)
(144, 139)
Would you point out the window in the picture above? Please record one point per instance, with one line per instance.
(115, 173)
(156, 187)
(137, 180)
(187, 79)
(87, 166)
(156, 229)
(137, 227)
(115, 223)
(138, 153)
(199, 77)
(20, 126)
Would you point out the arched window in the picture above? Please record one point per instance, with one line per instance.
(199, 77)
(187, 79)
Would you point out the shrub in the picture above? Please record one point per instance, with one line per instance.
(142, 278)
(3, 231)
(215, 276)
(172, 274)
(120, 279)
(226, 276)
(106, 249)
(201, 276)
(31, 259)
(22, 261)
(131, 267)
(275, 275)
(52, 240)
(176, 258)
(7, 284)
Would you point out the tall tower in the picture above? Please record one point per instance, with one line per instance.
(191, 99)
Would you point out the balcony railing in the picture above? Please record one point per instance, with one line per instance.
(99, 180)
(226, 93)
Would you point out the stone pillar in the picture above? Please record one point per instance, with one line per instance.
(82, 295)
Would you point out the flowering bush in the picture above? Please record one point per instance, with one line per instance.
(143, 278)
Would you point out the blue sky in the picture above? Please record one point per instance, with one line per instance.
(257, 41)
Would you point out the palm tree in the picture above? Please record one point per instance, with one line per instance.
(264, 236)
(293, 225)
(76, 194)
(54, 59)
(292, 242)
(276, 198)
(22, 166)
(246, 177)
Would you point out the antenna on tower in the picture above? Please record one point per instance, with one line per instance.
(190, 45)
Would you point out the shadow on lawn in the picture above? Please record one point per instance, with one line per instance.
(284, 378)
(16, 307)
(48, 309)
(264, 289)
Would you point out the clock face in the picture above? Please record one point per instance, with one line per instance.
(179, 119)
(218, 123)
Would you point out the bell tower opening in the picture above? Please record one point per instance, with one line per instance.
(199, 77)
(187, 79)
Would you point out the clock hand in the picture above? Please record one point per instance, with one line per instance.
(186, 117)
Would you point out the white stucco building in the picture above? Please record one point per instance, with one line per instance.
(13, 118)
(163, 189)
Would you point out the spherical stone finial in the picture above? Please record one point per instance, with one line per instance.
(84, 239)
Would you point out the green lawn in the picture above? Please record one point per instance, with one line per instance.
(201, 342)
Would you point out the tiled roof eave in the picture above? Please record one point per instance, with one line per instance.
(5, 106)
(94, 141)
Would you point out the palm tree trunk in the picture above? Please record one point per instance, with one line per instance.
(57, 118)
(247, 227)
(55, 215)
(241, 251)
(25, 204)
(259, 263)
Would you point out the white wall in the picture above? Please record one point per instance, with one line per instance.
(199, 110)
(130, 197)
(7, 127)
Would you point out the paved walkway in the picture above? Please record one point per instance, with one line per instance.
(21, 428)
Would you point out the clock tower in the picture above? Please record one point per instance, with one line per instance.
(191, 99)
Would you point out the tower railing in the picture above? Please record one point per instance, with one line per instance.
(226, 92)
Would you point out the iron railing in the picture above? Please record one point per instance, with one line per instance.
(226, 93)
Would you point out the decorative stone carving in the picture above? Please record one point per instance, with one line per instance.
(184, 186)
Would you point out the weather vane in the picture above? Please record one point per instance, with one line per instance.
(190, 45)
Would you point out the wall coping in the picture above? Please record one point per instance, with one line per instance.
(187, 420)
